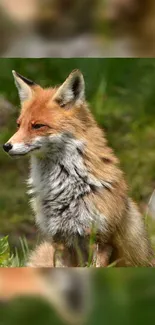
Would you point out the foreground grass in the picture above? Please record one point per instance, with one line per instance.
(10, 259)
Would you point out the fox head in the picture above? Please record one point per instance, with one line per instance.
(46, 113)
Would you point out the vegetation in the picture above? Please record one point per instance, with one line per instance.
(9, 259)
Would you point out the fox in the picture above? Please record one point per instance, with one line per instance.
(76, 185)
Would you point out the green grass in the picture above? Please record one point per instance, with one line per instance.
(16, 259)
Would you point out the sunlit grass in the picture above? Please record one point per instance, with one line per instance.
(17, 258)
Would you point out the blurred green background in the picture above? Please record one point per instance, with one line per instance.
(121, 93)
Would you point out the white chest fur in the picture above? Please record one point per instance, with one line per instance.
(59, 185)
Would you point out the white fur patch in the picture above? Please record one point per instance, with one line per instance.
(23, 148)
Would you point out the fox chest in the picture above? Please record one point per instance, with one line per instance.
(58, 200)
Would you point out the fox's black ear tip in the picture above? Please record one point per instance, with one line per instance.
(27, 81)
(76, 72)
(14, 72)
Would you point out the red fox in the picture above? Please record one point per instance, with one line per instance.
(75, 181)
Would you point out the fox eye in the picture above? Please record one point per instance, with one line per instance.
(37, 126)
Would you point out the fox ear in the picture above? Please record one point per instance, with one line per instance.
(24, 86)
(72, 90)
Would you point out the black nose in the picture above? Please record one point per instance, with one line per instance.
(7, 147)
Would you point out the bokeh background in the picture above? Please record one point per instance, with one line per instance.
(121, 93)
(67, 28)
(116, 296)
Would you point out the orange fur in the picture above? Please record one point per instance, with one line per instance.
(20, 281)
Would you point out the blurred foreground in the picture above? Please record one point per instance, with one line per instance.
(87, 28)
(94, 297)
(65, 291)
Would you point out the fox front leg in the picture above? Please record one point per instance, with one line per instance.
(42, 256)
(101, 256)
(99, 253)
(63, 257)
(50, 255)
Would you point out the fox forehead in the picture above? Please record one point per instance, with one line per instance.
(42, 109)
(39, 104)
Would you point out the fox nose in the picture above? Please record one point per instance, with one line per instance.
(7, 146)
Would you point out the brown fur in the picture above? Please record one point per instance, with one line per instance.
(126, 229)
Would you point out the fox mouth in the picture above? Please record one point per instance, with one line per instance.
(21, 154)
